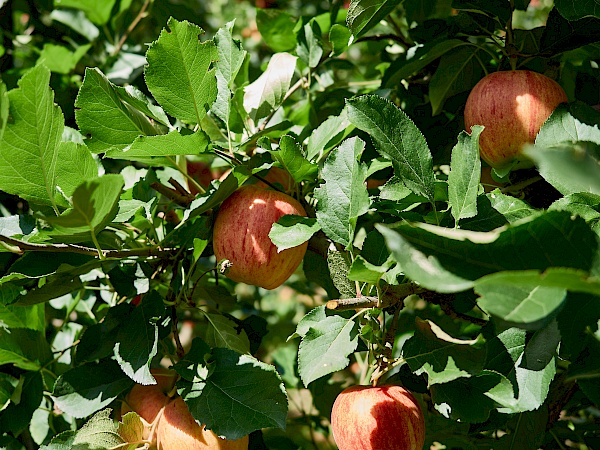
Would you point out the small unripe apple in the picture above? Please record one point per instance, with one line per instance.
(241, 236)
(173, 424)
(512, 106)
(377, 418)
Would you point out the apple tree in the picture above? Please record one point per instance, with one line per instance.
(126, 124)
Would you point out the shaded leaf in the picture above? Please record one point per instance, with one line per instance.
(86, 389)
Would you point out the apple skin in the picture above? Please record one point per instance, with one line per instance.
(512, 106)
(241, 235)
(175, 428)
(377, 418)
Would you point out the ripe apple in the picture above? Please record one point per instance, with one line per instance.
(377, 418)
(241, 235)
(512, 106)
(174, 426)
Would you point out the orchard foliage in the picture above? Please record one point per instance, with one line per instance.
(480, 295)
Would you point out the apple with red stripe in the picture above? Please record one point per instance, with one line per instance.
(512, 106)
(241, 236)
(386, 417)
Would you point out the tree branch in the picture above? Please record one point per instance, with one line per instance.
(20, 247)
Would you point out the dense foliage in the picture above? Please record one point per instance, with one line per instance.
(477, 290)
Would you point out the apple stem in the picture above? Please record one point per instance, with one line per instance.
(178, 345)
(385, 358)
(510, 38)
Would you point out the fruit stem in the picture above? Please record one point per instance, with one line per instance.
(386, 356)
(510, 38)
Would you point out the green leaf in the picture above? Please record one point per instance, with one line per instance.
(417, 265)
(88, 388)
(8, 385)
(137, 340)
(4, 109)
(344, 197)
(587, 364)
(495, 209)
(76, 166)
(231, 58)
(470, 399)
(95, 205)
(277, 29)
(582, 204)
(231, 53)
(291, 157)
(577, 318)
(155, 150)
(310, 45)
(240, 394)
(528, 433)
(561, 35)
(180, 74)
(569, 168)
(339, 36)
(326, 346)
(494, 8)
(571, 10)
(29, 146)
(463, 179)
(108, 115)
(423, 56)
(570, 123)
(97, 12)
(397, 138)
(17, 416)
(220, 332)
(458, 71)
(511, 355)
(443, 358)
(528, 297)
(290, 231)
(99, 433)
(26, 349)
(77, 21)
(60, 59)
(32, 317)
(362, 270)
(366, 14)
(268, 91)
(450, 260)
(327, 135)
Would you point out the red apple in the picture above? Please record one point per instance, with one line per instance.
(512, 106)
(377, 418)
(241, 235)
(173, 424)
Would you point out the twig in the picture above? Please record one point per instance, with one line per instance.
(444, 302)
(392, 296)
(383, 37)
(131, 27)
(178, 345)
(20, 247)
(386, 356)
(173, 194)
